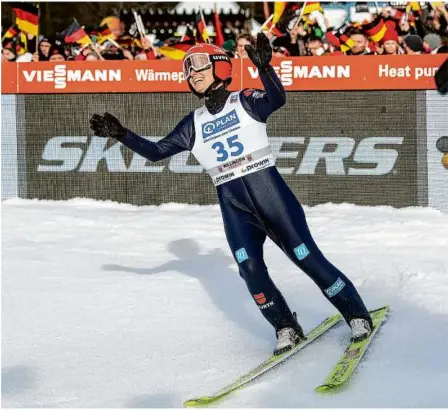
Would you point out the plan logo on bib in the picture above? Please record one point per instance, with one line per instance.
(211, 128)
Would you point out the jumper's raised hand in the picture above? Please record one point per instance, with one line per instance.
(262, 53)
(107, 126)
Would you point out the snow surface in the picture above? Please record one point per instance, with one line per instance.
(112, 305)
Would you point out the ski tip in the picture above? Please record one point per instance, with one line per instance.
(198, 402)
(326, 388)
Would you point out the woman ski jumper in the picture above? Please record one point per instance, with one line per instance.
(227, 135)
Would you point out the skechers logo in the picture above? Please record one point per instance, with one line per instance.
(301, 251)
(220, 124)
(335, 288)
(241, 255)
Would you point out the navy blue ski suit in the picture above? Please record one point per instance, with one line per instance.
(258, 205)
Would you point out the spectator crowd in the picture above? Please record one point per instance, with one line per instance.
(294, 29)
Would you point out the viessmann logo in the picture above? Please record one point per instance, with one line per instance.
(288, 71)
(331, 156)
(60, 75)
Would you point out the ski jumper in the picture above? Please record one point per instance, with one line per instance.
(255, 201)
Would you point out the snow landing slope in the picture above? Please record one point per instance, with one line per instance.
(109, 305)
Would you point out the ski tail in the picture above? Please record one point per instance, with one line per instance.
(266, 366)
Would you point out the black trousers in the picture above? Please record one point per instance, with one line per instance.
(259, 205)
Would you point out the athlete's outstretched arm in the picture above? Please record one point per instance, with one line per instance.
(260, 105)
(178, 140)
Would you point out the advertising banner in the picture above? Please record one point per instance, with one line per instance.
(354, 147)
(296, 73)
(10, 168)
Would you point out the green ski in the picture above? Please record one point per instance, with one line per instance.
(344, 368)
(265, 366)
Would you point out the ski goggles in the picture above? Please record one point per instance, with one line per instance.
(197, 62)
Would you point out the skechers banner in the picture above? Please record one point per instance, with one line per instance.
(355, 147)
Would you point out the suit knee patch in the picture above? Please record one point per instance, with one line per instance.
(241, 255)
(335, 288)
(301, 252)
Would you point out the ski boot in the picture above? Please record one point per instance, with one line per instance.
(288, 337)
(361, 329)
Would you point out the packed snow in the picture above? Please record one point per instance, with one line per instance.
(112, 305)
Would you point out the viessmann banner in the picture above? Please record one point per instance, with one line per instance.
(356, 147)
(296, 73)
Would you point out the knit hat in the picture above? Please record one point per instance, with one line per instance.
(57, 50)
(391, 33)
(433, 40)
(414, 42)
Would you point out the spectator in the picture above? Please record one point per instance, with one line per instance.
(92, 56)
(56, 53)
(242, 41)
(360, 44)
(413, 44)
(9, 53)
(290, 37)
(315, 46)
(390, 43)
(280, 52)
(433, 42)
(44, 49)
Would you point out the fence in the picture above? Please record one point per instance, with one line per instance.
(366, 130)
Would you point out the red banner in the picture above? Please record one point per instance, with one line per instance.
(296, 73)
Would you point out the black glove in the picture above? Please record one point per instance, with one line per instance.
(107, 126)
(262, 53)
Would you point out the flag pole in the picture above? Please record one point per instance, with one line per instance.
(300, 15)
(266, 22)
(94, 45)
(38, 22)
(205, 26)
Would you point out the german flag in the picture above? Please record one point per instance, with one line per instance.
(311, 6)
(339, 41)
(175, 51)
(201, 29)
(12, 32)
(125, 42)
(413, 6)
(219, 40)
(279, 8)
(376, 29)
(275, 30)
(104, 33)
(188, 35)
(27, 17)
(76, 34)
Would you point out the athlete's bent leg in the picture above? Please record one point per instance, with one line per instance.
(246, 237)
(287, 224)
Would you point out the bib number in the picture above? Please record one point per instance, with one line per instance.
(235, 148)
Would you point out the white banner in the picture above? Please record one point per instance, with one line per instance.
(437, 149)
(9, 148)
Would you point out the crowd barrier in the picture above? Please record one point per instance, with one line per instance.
(367, 130)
